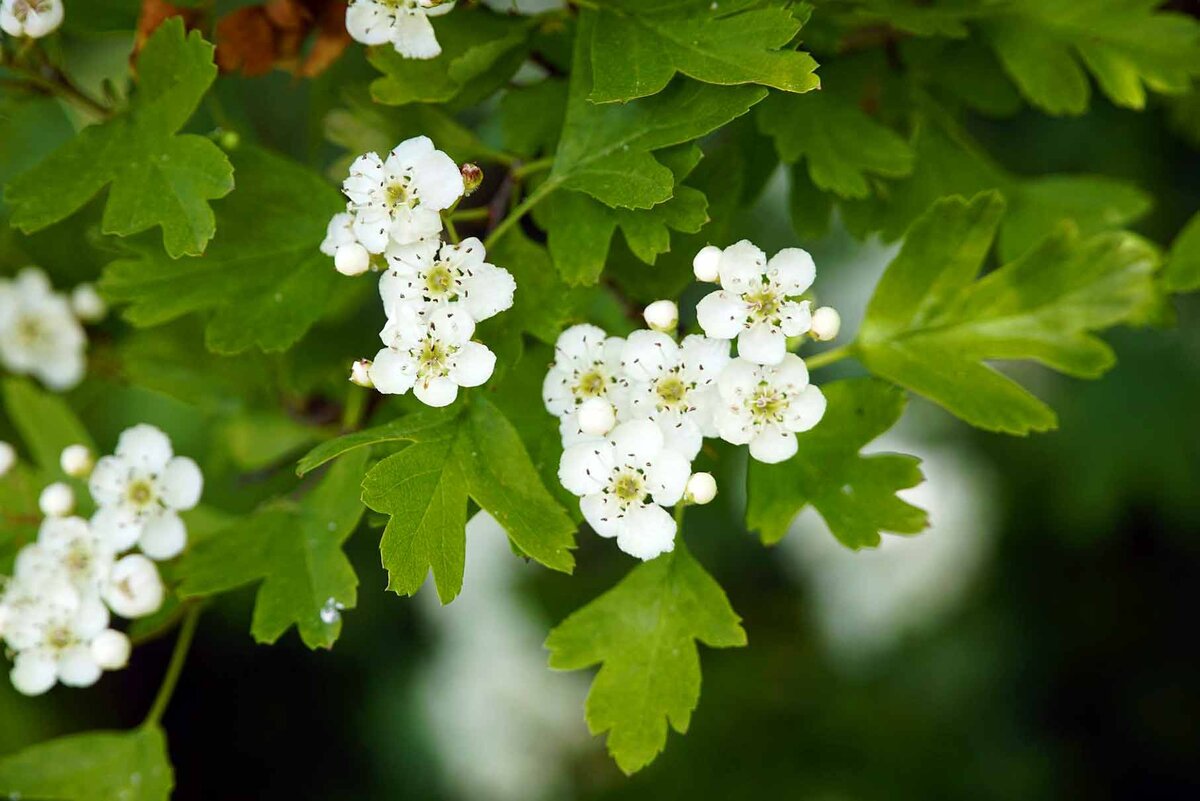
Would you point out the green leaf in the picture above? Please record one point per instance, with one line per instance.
(295, 549)
(264, 278)
(931, 326)
(45, 422)
(855, 494)
(409, 428)
(1128, 46)
(543, 305)
(643, 634)
(531, 116)
(97, 766)
(425, 488)
(1183, 264)
(637, 47)
(156, 176)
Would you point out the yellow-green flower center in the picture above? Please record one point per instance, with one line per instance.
(591, 385)
(140, 493)
(29, 330)
(768, 404)
(629, 487)
(439, 280)
(671, 390)
(764, 303)
(397, 193)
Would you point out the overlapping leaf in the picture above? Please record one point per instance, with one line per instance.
(156, 176)
(643, 634)
(931, 326)
(855, 494)
(97, 766)
(1183, 265)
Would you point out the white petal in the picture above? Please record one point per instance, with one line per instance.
(790, 375)
(365, 177)
(135, 588)
(77, 667)
(181, 483)
(556, 392)
(795, 318)
(488, 291)
(792, 270)
(647, 354)
(703, 359)
(371, 229)
(773, 444)
(110, 649)
(667, 476)
(413, 37)
(579, 346)
(369, 23)
(408, 153)
(117, 527)
(742, 267)
(680, 434)
(762, 344)
(647, 532)
(163, 536)
(393, 372)
(415, 224)
(339, 232)
(452, 326)
(91, 618)
(437, 180)
(586, 468)
(145, 446)
(637, 442)
(33, 673)
(473, 365)
(806, 409)
(722, 314)
(602, 513)
(436, 392)
(739, 379)
(735, 426)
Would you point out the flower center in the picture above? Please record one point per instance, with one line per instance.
(433, 358)
(59, 637)
(78, 560)
(764, 304)
(140, 493)
(629, 487)
(397, 194)
(591, 385)
(767, 405)
(671, 391)
(29, 331)
(439, 281)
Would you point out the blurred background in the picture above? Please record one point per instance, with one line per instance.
(1038, 642)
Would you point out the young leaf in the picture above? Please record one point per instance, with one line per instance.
(1183, 265)
(158, 177)
(97, 766)
(637, 47)
(45, 422)
(295, 549)
(931, 326)
(425, 488)
(643, 634)
(264, 276)
(855, 494)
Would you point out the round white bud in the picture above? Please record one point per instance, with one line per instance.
(76, 461)
(87, 304)
(705, 264)
(360, 373)
(134, 587)
(596, 417)
(110, 649)
(352, 259)
(826, 323)
(662, 315)
(701, 488)
(57, 500)
(8, 457)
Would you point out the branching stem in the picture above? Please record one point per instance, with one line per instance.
(829, 357)
(182, 643)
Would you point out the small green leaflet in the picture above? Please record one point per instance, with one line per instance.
(45, 422)
(264, 276)
(158, 177)
(1183, 265)
(1128, 46)
(295, 549)
(855, 494)
(637, 47)
(931, 326)
(98, 766)
(643, 634)
(473, 452)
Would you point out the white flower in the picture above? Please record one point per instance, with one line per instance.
(349, 257)
(57, 500)
(765, 405)
(705, 264)
(39, 586)
(33, 18)
(623, 482)
(56, 646)
(432, 357)
(662, 315)
(76, 461)
(110, 649)
(701, 489)
(587, 364)
(82, 555)
(826, 323)
(428, 275)
(400, 199)
(8, 457)
(134, 587)
(755, 302)
(403, 23)
(87, 304)
(39, 334)
(674, 384)
(140, 490)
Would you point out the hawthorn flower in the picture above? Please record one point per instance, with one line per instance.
(429, 274)
(75, 549)
(32, 18)
(54, 645)
(756, 302)
(674, 385)
(400, 198)
(766, 405)
(39, 334)
(403, 23)
(134, 588)
(140, 490)
(624, 482)
(349, 256)
(432, 357)
(587, 364)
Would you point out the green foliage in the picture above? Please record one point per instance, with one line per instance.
(855, 494)
(1183, 265)
(931, 325)
(643, 634)
(158, 177)
(45, 422)
(98, 766)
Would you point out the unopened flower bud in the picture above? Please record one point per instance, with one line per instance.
(360, 373)
(472, 177)
(134, 588)
(352, 259)
(87, 304)
(110, 649)
(826, 323)
(701, 488)
(57, 500)
(76, 461)
(228, 140)
(596, 417)
(662, 315)
(705, 264)
(8, 457)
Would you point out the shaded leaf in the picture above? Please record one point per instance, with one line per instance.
(97, 766)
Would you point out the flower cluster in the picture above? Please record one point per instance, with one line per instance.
(404, 24)
(41, 331)
(56, 610)
(633, 412)
(32, 18)
(433, 292)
